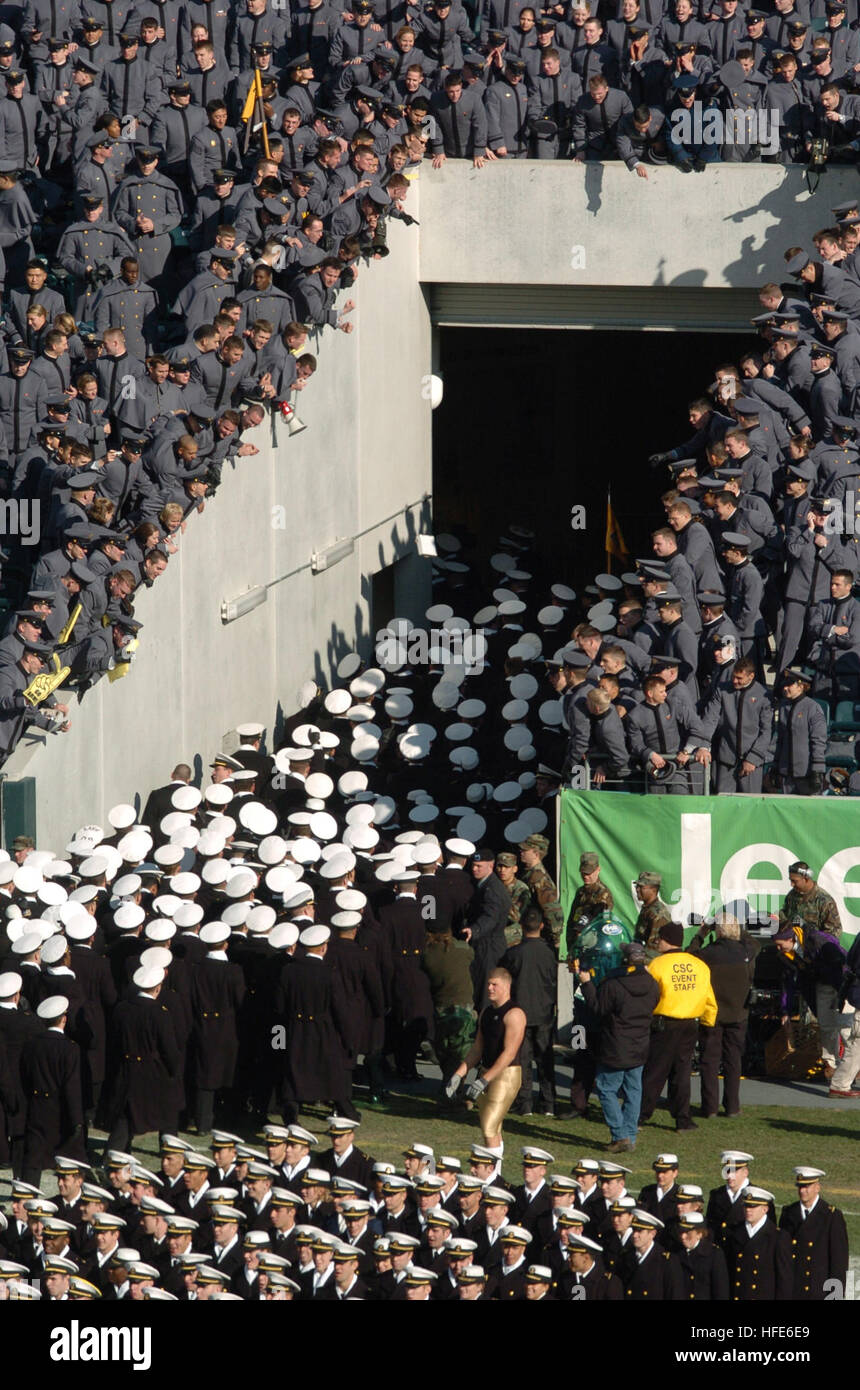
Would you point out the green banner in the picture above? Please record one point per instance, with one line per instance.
(712, 850)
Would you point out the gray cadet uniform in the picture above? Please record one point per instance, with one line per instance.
(810, 568)
(835, 654)
(738, 723)
(158, 198)
(461, 127)
(507, 118)
(800, 745)
(85, 245)
(133, 308)
(595, 124)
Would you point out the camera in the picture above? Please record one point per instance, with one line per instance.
(819, 151)
(100, 274)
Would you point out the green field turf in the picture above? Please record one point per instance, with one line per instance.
(779, 1137)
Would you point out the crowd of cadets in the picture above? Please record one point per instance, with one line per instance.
(729, 657)
(285, 1221)
(576, 80)
(163, 278)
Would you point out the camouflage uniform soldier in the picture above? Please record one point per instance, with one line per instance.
(812, 912)
(809, 903)
(521, 898)
(543, 890)
(592, 898)
(653, 913)
(447, 964)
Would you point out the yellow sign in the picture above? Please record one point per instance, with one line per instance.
(46, 683)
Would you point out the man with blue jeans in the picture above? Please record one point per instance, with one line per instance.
(623, 1003)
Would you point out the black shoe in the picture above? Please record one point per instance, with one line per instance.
(689, 1124)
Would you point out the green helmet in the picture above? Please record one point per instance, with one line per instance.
(599, 945)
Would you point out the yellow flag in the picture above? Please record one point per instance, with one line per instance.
(66, 633)
(614, 543)
(250, 100)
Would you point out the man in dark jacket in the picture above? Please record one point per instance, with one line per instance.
(819, 1240)
(93, 973)
(703, 1264)
(51, 1077)
(624, 1004)
(217, 994)
(534, 970)
(314, 1064)
(17, 1027)
(357, 996)
(758, 1254)
(731, 962)
(486, 917)
(412, 1004)
(146, 1058)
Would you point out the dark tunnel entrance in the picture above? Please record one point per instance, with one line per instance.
(535, 422)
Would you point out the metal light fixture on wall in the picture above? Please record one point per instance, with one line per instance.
(326, 559)
(231, 609)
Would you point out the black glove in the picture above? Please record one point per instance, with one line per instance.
(656, 460)
(699, 164)
(684, 165)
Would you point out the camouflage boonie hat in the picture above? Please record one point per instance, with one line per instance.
(588, 863)
(507, 860)
(538, 842)
(649, 879)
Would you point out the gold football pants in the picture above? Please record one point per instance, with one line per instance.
(497, 1100)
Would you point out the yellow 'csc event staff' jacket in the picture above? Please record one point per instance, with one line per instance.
(685, 987)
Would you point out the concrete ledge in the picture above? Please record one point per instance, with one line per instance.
(524, 222)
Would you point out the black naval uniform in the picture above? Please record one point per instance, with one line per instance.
(819, 1250)
(723, 1215)
(760, 1269)
(146, 1058)
(51, 1077)
(597, 1285)
(17, 1029)
(656, 1278)
(705, 1277)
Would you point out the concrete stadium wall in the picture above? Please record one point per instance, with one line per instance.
(364, 457)
(520, 221)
